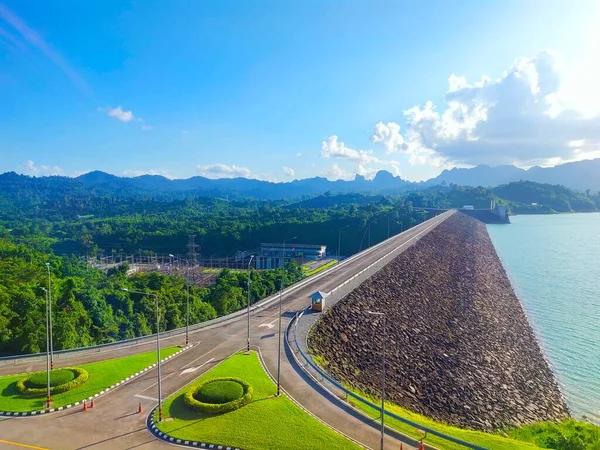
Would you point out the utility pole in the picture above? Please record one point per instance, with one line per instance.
(48, 399)
(249, 266)
(50, 317)
(160, 413)
(280, 312)
(382, 315)
(388, 227)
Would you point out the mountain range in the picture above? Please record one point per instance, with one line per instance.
(580, 176)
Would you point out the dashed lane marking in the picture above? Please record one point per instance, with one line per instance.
(145, 397)
(193, 369)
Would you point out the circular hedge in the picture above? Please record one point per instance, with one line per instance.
(35, 384)
(219, 391)
(219, 395)
(57, 377)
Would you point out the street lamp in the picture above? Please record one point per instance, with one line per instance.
(160, 415)
(280, 294)
(50, 318)
(249, 265)
(187, 312)
(374, 313)
(48, 400)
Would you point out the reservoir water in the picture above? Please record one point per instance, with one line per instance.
(553, 262)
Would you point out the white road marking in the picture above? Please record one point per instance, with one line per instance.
(146, 397)
(193, 369)
(268, 325)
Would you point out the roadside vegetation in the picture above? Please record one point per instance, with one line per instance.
(101, 375)
(267, 422)
(309, 272)
(567, 435)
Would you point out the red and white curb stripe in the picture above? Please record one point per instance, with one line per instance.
(61, 408)
(173, 440)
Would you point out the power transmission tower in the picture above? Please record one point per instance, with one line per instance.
(192, 246)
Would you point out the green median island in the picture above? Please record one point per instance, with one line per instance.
(27, 391)
(234, 405)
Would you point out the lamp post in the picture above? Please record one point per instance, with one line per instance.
(48, 399)
(374, 313)
(50, 318)
(248, 340)
(280, 294)
(187, 312)
(160, 415)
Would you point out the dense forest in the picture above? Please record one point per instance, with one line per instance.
(57, 224)
(90, 307)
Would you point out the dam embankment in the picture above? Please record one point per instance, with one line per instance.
(459, 347)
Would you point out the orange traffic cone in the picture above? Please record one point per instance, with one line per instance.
(85, 408)
(421, 446)
(400, 445)
(140, 408)
(92, 404)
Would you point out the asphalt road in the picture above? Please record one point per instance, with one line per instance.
(114, 422)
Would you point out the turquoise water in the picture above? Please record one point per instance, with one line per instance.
(554, 264)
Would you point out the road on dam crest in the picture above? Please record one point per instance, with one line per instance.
(114, 422)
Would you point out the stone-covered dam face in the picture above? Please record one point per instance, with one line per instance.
(459, 346)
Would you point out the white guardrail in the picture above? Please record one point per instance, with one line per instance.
(65, 354)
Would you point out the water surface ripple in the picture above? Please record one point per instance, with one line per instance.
(554, 264)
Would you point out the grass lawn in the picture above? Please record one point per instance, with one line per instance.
(331, 263)
(488, 440)
(265, 423)
(102, 374)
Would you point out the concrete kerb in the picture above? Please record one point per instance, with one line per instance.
(368, 419)
(270, 375)
(94, 396)
(338, 385)
(164, 437)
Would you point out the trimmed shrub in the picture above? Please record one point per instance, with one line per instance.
(80, 376)
(57, 377)
(219, 392)
(191, 397)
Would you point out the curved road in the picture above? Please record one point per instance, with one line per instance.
(114, 422)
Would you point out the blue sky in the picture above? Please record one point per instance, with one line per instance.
(283, 90)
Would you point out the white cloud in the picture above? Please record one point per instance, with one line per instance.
(299, 154)
(331, 148)
(119, 114)
(388, 135)
(523, 117)
(336, 172)
(137, 173)
(224, 171)
(288, 171)
(29, 168)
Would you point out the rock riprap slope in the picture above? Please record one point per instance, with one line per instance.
(459, 346)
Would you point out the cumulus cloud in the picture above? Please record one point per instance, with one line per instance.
(119, 114)
(388, 135)
(332, 148)
(224, 171)
(137, 173)
(519, 118)
(288, 171)
(335, 172)
(29, 168)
